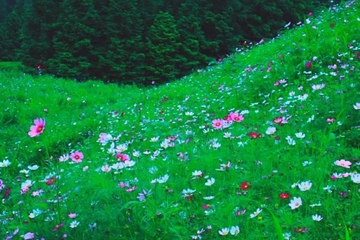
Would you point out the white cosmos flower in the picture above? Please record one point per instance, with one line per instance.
(197, 173)
(188, 192)
(129, 163)
(256, 213)
(315, 204)
(290, 140)
(121, 148)
(33, 168)
(317, 217)
(300, 135)
(136, 153)
(295, 203)
(270, 130)
(163, 179)
(305, 186)
(210, 182)
(234, 230)
(209, 197)
(227, 135)
(224, 231)
(74, 224)
(5, 163)
(357, 106)
(355, 177)
(154, 139)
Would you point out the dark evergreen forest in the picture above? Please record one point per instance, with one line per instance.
(137, 41)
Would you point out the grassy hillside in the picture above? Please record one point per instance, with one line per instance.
(261, 145)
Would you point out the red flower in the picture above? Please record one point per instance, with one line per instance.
(284, 195)
(300, 229)
(7, 193)
(57, 227)
(308, 64)
(50, 181)
(245, 186)
(332, 25)
(189, 198)
(254, 135)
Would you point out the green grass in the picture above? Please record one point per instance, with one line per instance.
(167, 130)
(11, 66)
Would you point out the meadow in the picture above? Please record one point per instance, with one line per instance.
(262, 144)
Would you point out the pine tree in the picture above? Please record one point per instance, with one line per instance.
(192, 37)
(73, 43)
(123, 58)
(38, 32)
(162, 49)
(10, 32)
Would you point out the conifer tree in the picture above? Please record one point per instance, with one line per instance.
(163, 49)
(192, 37)
(73, 43)
(123, 56)
(10, 31)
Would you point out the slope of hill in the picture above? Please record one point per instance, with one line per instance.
(260, 145)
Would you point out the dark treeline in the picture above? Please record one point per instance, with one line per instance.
(136, 40)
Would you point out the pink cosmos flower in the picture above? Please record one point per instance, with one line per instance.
(2, 185)
(236, 117)
(104, 138)
(77, 156)
(343, 163)
(217, 123)
(106, 168)
(38, 128)
(28, 235)
(72, 215)
(122, 157)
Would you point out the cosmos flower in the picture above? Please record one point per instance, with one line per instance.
(77, 156)
(357, 106)
(270, 130)
(122, 157)
(343, 163)
(284, 195)
(2, 185)
(304, 186)
(106, 168)
(163, 179)
(295, 203)
(256, 213)
(28, 235)
(254, 135)
(197, 174)
(104, 138)
(236, 117)
(210, 182)
(217, 123)
(38, 128)
(245, 185)
(224, 231)
(300, 135)
(355, 177)
(317, 217)
(74, 224)
(234, 230)
(5, 163)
